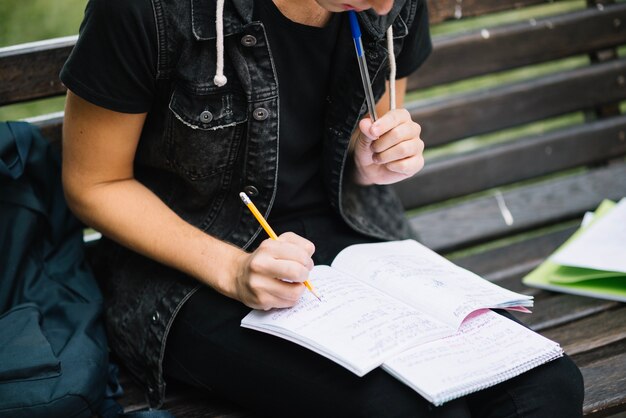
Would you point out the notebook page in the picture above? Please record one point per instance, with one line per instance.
(354, 324)
(422, 278)
(487, 350)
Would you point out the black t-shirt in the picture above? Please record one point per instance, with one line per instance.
(113, 65)
(302, 57)
(114, 61)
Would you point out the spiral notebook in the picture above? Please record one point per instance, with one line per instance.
(488, 349)
(425, 320)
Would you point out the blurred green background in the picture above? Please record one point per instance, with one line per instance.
(32, 20)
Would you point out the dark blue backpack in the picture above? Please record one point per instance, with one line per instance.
(53, 348)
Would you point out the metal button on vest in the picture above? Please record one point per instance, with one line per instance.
(155, 317)
(248, 40)
(251, 191)
(206, 116)
(260, 113)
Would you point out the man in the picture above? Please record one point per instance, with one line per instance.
(176, 107)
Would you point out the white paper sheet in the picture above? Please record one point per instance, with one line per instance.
(601, 246)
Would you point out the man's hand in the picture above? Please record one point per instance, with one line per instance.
(272, 276)
(388, 150)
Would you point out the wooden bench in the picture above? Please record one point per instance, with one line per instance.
(546, 177)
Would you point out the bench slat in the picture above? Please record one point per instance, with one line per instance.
(522, 159)
(591, 332)
(535, 42)
(51, 127)
(475, 113)
(506, 265)
(480, 219)
(454, 9)
(605, 381)
(562, 309)
(491, 262)
(31, 71)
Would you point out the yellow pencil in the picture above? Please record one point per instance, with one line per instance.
(246, 201)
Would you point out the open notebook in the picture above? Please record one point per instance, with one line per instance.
(387, 303)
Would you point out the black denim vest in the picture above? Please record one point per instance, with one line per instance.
(202, 145)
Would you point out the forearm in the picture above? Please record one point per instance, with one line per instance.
(132, 215)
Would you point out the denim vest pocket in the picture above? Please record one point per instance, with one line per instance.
(204, 129)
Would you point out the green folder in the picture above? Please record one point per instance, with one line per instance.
(580, 281)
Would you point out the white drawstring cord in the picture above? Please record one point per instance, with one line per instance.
(392, 69)
(219, 79)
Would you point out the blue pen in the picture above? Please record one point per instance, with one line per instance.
(367, 86)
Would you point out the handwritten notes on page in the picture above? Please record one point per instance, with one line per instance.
(601, 246)
(488, 349)
(422, 278)
(355, 325)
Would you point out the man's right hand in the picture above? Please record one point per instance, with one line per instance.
(272, 275)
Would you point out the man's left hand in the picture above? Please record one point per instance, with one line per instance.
(388, 150)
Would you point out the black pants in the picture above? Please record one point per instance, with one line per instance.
(207, 348)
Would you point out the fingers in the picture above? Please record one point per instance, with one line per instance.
(282, 260)
(406, 166)
(383, 154)
(365, 125)
(297, 240)
(406, 131)
(387, 122)
(267, 293)
(399, 146)
(274, 272)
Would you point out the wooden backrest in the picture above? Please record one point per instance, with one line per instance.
(565, 69)
(506, 107)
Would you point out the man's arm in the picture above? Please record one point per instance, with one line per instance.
(99, 147)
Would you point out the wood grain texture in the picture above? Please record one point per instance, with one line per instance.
(440, 10)
(605, 381)
(561, 309)
(489, 263)
(480, 220)
(591, 332)
(465, 115)
(31, 71)
(51, 127)
(523, 159)
(514, 45)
